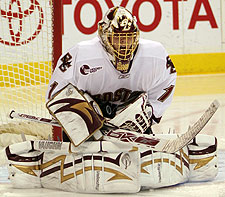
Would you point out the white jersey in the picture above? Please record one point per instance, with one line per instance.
(88, 67)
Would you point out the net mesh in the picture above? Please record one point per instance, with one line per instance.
(25, 62)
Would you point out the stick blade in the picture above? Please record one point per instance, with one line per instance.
(177, 144)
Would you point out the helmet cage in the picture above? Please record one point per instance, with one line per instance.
(122, 45)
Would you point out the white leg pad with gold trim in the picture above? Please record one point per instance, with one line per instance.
(106, 167)
(25, 173)
(100, 171)
(160, 169)
(203, 158)
(195, 162)
(108, 172)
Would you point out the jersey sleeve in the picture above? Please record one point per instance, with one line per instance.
(161, 93)
(63, 73)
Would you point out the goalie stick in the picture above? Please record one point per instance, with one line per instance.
(14, 114)
(143, 140)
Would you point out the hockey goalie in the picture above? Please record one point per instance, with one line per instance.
(95, 162)
(106, 94)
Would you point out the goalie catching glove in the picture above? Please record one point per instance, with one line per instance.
(134, 117)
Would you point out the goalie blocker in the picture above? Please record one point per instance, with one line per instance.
(80, 118)
(106, 167)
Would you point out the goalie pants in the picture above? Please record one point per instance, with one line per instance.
(112, 169)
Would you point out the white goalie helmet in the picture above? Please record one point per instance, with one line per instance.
(119, 35)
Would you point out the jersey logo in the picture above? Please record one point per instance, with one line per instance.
(85, 69)
(125, 23)
(170, 65)
(66, 63)
(126, 160)
(131, 137)
(125, 76)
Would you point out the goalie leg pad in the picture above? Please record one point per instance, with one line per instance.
(160, 169)
(104, 171)
(57, 171)
(196, 162)
(203, 158)
(94, 172)
(23, 168)
(108, 172)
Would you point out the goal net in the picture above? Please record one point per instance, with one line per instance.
(27, 55)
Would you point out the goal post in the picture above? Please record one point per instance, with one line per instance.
(57, 48)
(30, 44)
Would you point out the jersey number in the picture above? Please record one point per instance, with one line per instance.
(52, 87)
(166, 94)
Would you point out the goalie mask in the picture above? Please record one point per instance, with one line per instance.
(119, 35)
